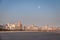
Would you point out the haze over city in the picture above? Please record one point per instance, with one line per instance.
(39, 12)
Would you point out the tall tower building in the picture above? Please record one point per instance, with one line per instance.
(46, 27)
(19, 25)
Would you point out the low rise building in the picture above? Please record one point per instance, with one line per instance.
(31, 28)
(10, 26)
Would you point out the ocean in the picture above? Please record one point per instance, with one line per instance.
(29, 36)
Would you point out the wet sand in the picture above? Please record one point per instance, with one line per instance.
(29, 36)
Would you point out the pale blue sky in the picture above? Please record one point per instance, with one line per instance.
(28, 12)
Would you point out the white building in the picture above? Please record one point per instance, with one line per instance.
(31, 28)
(10, 26)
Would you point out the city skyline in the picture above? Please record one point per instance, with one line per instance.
(39, 12)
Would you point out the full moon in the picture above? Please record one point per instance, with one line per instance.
(38, 6)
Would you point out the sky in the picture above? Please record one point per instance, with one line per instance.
(38, 12)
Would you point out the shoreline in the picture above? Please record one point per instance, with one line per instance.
(24, 31)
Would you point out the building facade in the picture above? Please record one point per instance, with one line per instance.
(19, 26)
(10, 26)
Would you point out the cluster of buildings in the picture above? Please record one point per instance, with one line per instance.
(44, 28)
(9, 26)
(19, 27)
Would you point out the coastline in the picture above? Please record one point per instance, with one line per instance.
(24, 31)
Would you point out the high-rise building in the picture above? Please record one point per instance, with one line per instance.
(19, 25)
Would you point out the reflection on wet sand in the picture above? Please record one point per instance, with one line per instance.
(29, 36)
(0, 37)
